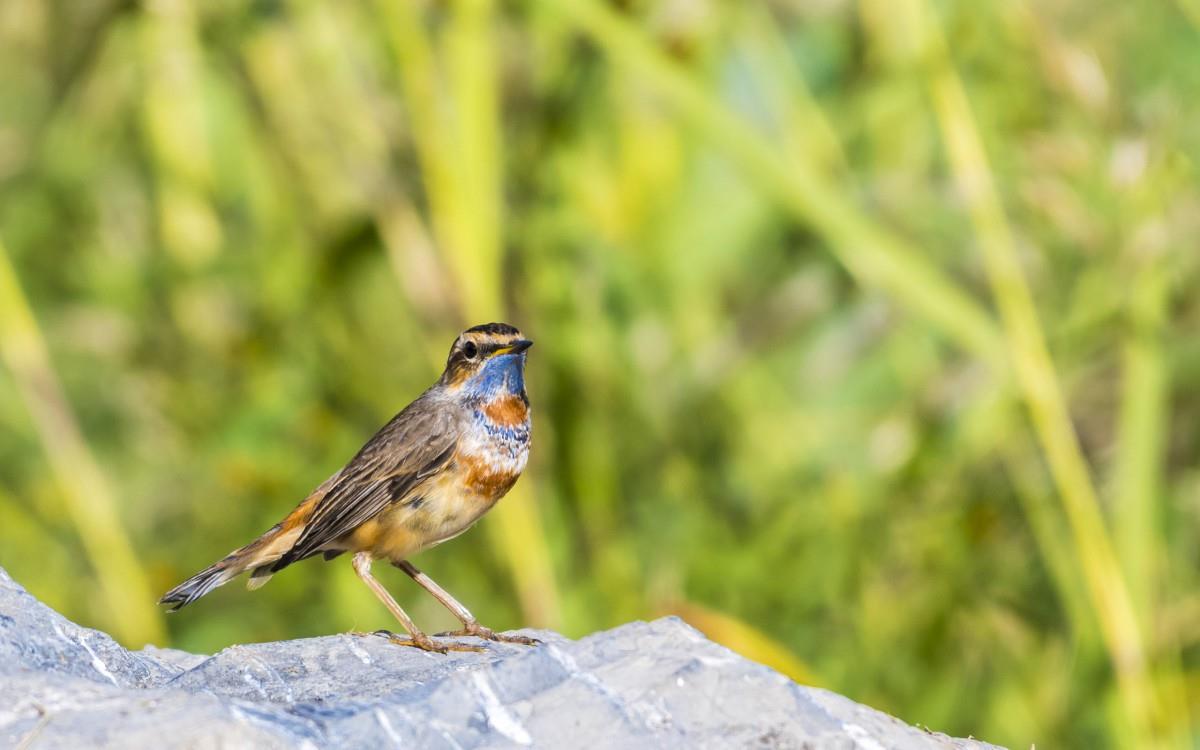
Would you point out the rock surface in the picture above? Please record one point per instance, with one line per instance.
(659, 684)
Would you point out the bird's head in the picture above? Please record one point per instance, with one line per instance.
(487, 360)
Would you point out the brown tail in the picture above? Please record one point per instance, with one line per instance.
(265, 549)
(257, 556)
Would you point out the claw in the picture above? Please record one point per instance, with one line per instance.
(523, 640)
(438, 647)
(485, 633)
(424, 642)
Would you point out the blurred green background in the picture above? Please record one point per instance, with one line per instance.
(865, 327)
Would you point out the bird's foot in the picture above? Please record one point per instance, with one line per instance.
(425, 643)
(487, 634)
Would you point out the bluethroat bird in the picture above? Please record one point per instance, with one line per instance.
(424, 478)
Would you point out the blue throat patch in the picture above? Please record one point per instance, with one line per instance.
(504, 373)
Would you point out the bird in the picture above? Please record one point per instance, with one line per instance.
(424, 478)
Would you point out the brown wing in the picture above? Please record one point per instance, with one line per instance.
(412, 447)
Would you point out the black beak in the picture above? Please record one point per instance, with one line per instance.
(518, 346)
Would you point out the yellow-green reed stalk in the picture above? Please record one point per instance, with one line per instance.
(453, 121)
(1141, 446)
(453, 114)
(1141, 431)
(173, 119)
(1036, 377)
(872, 254)
(131, 615)
(1142, 426)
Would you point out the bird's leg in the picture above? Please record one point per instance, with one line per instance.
(362, 566)
(471, 626)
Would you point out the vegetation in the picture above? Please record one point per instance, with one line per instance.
(865, 330)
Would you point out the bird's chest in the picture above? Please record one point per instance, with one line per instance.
(494, 449)
(490, 458)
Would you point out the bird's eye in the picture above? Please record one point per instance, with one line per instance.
(470, 349)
